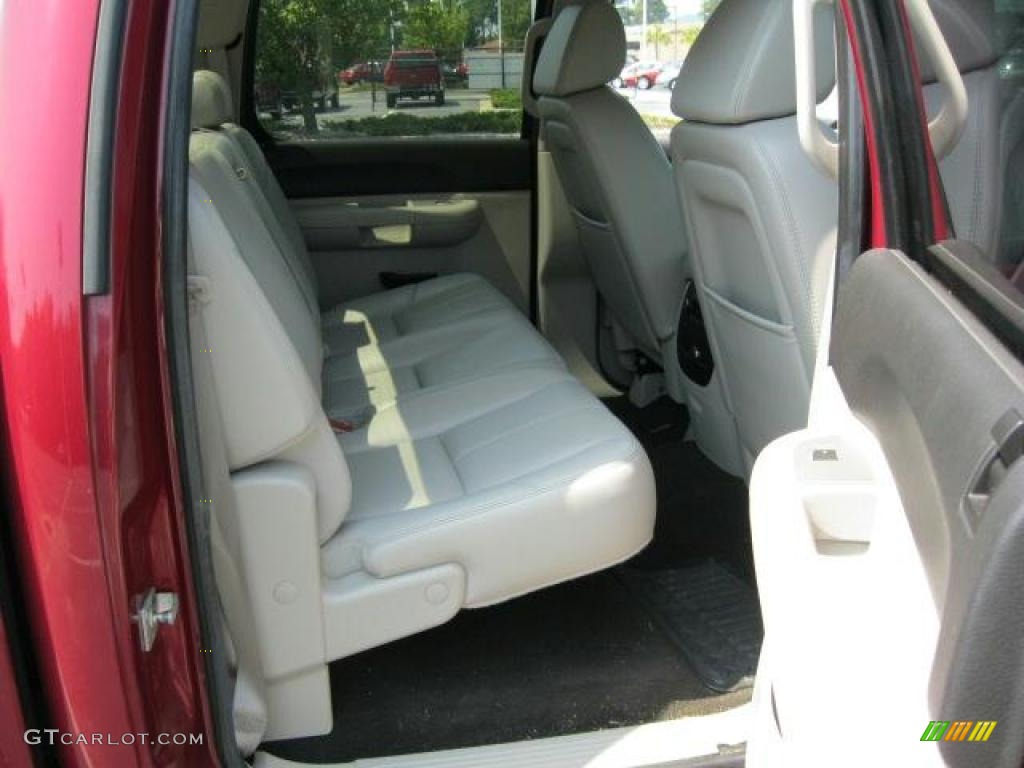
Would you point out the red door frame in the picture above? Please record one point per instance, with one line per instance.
(878, 235)
(97, 511)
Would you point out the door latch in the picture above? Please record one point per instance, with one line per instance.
(152, 609)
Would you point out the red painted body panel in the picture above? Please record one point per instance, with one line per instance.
(13, 749)
(97, 513)
(41, 331)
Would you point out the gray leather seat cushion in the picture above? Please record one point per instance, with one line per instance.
(477, 448)
(409, 309)
(433, 334)
(530, 485)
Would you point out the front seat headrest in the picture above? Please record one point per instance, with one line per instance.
(969, 27)
(211, 100)
(742, 67)
(585, 48)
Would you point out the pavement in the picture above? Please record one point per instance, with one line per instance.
(656, 101)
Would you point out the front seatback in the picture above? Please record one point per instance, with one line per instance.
(616, 176)
(761, 217)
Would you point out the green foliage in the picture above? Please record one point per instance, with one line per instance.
(399, 124)
(708, 7)
(688, 35)
(506, 98)
(656, 122)
(441, 25)
(483, 22)
(665, 37)
(632, 11)
(515, 17)
(660, 37)
(303, 43)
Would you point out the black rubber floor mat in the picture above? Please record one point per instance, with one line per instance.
(577, 657)
(712, 616)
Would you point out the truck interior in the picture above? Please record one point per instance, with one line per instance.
(476, 417)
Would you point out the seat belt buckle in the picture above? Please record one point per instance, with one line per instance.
(352, 422)
(342, 426)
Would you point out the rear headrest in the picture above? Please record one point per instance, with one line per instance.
(585, 48)
(211, 100)
(970, 31)
(742, 66)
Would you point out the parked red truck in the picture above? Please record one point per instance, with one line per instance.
(413, 75)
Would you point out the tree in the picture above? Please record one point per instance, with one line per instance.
(441, 25)
(302, 43)
(483, 22)
(659, 36)
(709, 7)
(688, 35)
(515, 18)
(632, 12)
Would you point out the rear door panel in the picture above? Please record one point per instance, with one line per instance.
(403, 208)
(358, 244)
(870, 563)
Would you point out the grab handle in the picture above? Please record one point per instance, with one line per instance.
(944, 130)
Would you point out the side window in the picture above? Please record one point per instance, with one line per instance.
(338, 69)
(655, 50)
(1010, 42)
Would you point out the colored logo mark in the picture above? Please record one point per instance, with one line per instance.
(959, 730)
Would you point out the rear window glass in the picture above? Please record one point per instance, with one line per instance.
(390, 68)
(326, 69)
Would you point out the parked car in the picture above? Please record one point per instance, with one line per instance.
(414, 74)
(363, 72)
(455, 73)
(646, 76)
(630, 70)
(323, 99)
(669, 74)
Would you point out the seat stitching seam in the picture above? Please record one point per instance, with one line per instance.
(411, 397)
(492, 373)
(743, 84)
(517, 479)
(793, 228)
(455, 469)
(520, 427)
(531, 493)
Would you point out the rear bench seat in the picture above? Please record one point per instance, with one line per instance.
(465, 466)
